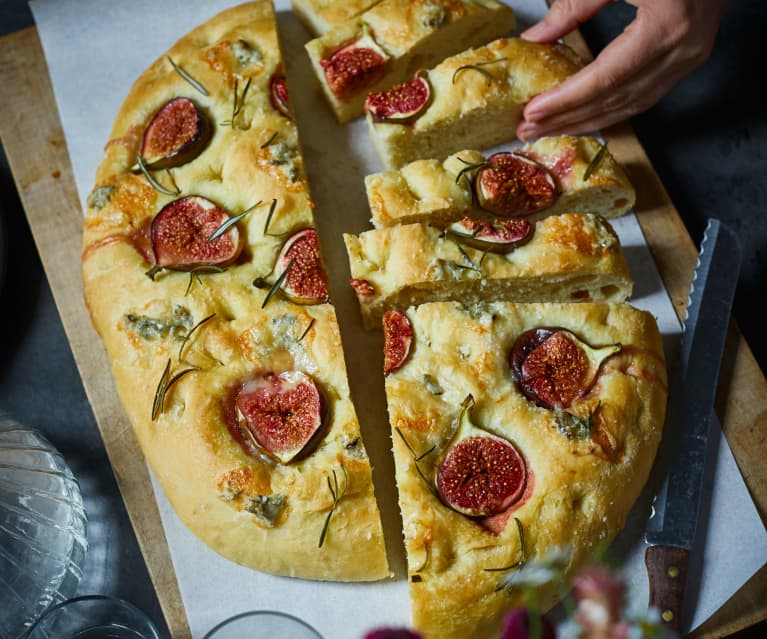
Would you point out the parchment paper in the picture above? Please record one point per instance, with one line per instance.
(95, 50)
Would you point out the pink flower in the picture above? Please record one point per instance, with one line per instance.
(392, 633)
(600, 596)
(517, 626)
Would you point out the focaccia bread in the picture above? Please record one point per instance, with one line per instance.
(563, 258)
(386, 44)
(440, 192)
(320, 16)
(472, 100)
(523, 434)
(203, 275)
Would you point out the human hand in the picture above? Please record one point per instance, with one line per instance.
(666, 40)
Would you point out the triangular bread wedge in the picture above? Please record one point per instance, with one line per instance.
(189, 342)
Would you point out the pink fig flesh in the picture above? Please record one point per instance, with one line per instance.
(402, 103)
(180, 232)
(501, 236)
(365, 290)
(398, 339)
(282, 414)
(306, 281)
(511, 184)
(177, 134)
(354, 67)
(481, 476)
(279, 94)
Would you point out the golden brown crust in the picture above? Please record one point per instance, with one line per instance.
(571, 257)
(414, 34)
(467, 105)
(256, 512)
(431, 190)
(579, 491)
(320, 16)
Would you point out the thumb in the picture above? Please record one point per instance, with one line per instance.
(563, 17)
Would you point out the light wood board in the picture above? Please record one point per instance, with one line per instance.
(34, 143)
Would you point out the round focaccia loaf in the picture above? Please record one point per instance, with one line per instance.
(477, 98)
(585, 463)
(183, 343)
(398, 37)
(320, 16)
(571, 257)
(440, 192)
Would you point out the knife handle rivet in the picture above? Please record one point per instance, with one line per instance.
(667, 616)
(673, 572)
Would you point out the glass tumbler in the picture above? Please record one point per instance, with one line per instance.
(42, 527)
(263, 624)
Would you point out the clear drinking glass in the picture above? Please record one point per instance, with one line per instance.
(263, 624)
(42, 527)
(93, 617)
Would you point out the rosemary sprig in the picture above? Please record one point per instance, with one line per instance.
(470, 166)
(269, 141)
(188, 77)
(522, 553)
(278, 283)
(465, 256)
(272, 208)
(155, 184)
(306, 330)
(427, 552)
(195, 273)
(239, 100)
(230, 222)
(595, 161)
(417, 458)
(190, 333)
(477, 67)
(164, 385)
(337, 494)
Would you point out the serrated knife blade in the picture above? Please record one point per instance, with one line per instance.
(670, 531)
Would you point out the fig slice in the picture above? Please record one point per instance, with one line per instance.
(363, 288)
(479, 474)
(278, 92)
(180, 235)
(398, 338)
(402, 103)
(354, 66)
(282, 414)
(512, 184)
(299, 265)
(499, 236)
(553, 367)
(177, 133)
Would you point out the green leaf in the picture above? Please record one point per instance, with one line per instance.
(595, 161)
(155, 184)
(188, 77)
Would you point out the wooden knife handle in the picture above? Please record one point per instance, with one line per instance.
(667, 570)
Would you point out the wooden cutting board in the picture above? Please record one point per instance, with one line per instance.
(34, 143)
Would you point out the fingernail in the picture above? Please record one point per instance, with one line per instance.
(538, 29)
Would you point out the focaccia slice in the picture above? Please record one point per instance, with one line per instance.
(193, 270)
(320, 16)
(564, 258)
(445, 191)
(386, 44)
(476, 100)
(522, 434)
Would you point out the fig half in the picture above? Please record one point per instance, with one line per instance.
(398, 338)
(500, 236)
(282, 414)
(354, 66)
(511, 184)
(479, 474)
(402, 103)
(177, 133)
(181, 231)
(553, 367)
(278, 92)
(299, 264)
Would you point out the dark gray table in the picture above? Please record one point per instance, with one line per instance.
(707, 141)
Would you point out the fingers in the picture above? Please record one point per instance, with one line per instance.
(563, 17)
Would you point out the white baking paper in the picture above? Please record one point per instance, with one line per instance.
(95, 49)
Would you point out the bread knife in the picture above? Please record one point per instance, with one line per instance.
(670, 531)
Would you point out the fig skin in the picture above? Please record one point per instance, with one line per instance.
(179, 235)
(354, 66)
(177, 133)
(402, 103)
(553, 367)
(282, 414)
(511, 184)
(499, 236)
(278, 93)
(398, 340)
(306, 282)
(479, 474)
